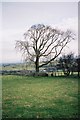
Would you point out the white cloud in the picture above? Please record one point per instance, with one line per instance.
(72, 24)
(8, 51)
(40, 0)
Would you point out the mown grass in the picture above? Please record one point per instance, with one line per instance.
(39, 97)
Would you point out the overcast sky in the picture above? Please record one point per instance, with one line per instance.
(18, 17)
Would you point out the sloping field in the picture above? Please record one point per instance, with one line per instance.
(39, 97)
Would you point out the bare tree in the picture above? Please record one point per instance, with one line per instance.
(40, 41)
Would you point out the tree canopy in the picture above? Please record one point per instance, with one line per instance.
(68, 63)
(41, 41)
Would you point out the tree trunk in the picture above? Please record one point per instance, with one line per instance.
(37, 64)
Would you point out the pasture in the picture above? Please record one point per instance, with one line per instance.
(39, 97)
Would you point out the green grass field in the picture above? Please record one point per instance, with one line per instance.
(39, 97)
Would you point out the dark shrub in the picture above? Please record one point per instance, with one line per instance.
(43, 74)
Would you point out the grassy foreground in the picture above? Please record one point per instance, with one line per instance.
(39, 97)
